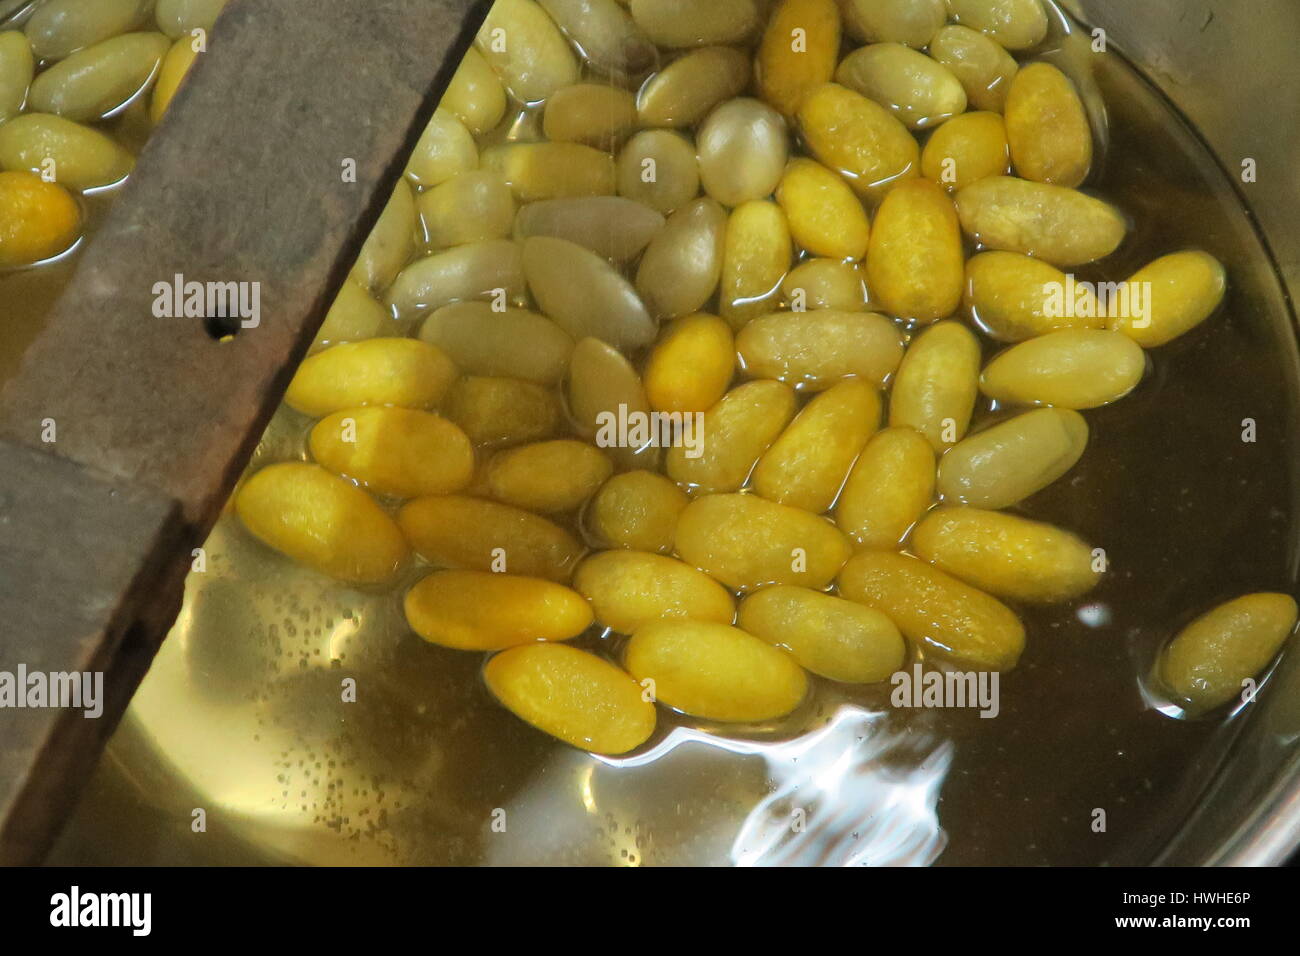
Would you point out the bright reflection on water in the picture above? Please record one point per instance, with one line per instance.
(852, 793)
(853, 808)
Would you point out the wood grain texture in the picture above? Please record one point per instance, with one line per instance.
(80, 555)
(154, 417)
(241, 183)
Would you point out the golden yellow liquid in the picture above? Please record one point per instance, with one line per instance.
(243, 716)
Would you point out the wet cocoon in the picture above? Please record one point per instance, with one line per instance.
(746, 542)
(918, 90)
(37, 219)
(96, 80)
(353, 316)
(475, 94)
(715, 671)
(737, 431)
(1005, 464)
(686, 23)
(601, 380)
(658, 167)
(983, 68)
(629, 589)
(481, 611)
(1061, 226)
(1186, 288)
(756, 256)
(175, 65)
(391, 243)
(469, 271)
(935, 610)
(17, 67)
(550, 476)
(57, 28)
(816, 349)
(394, 451)
(573, 695)
(742, 148)
(613, 227)
(858, 138)
(609, 39)
(966, 149)
(584, 294)
(825, 217)
(444, 149)
(807, 464)
(473, 533)
(1209, 661)
(891, 484)
(498, 412)
(798, 51)
(830, 636)
(526, 49)
(825, 284)
(680, 269)
(912, 22)
(1006, 555)
(1047, 127)
(915, 262)
(691, 365)
(385, 371)
(937, 384)
(323, 521)
(515, 343)
(1070, 368)
(638, 510)
(589, 113)
(1016, 24)
(688, 88)
(538, 171)
(1011, 296)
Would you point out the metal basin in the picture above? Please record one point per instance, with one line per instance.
(239, 716)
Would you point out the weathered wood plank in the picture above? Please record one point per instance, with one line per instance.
(153, 417)
(80, 555)
(242, 183)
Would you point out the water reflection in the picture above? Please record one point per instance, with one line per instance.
(840, 801)
(855, 792)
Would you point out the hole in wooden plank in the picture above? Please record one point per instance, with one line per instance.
(223, 328)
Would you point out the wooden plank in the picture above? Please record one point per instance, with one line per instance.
(80, 555)
(243, 183)
(154, 418)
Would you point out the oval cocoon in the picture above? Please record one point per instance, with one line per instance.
(830, 636)
(746, 542)
(1006, 555)
(458, 531)
(715, 671)
(384, 371)
(482, 611)
(933, 609)
(577, 697)
(323, 521)
(394, 451)
(1207, 663)
(629, 589)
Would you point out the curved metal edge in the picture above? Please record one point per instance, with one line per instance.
(1193, 52)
